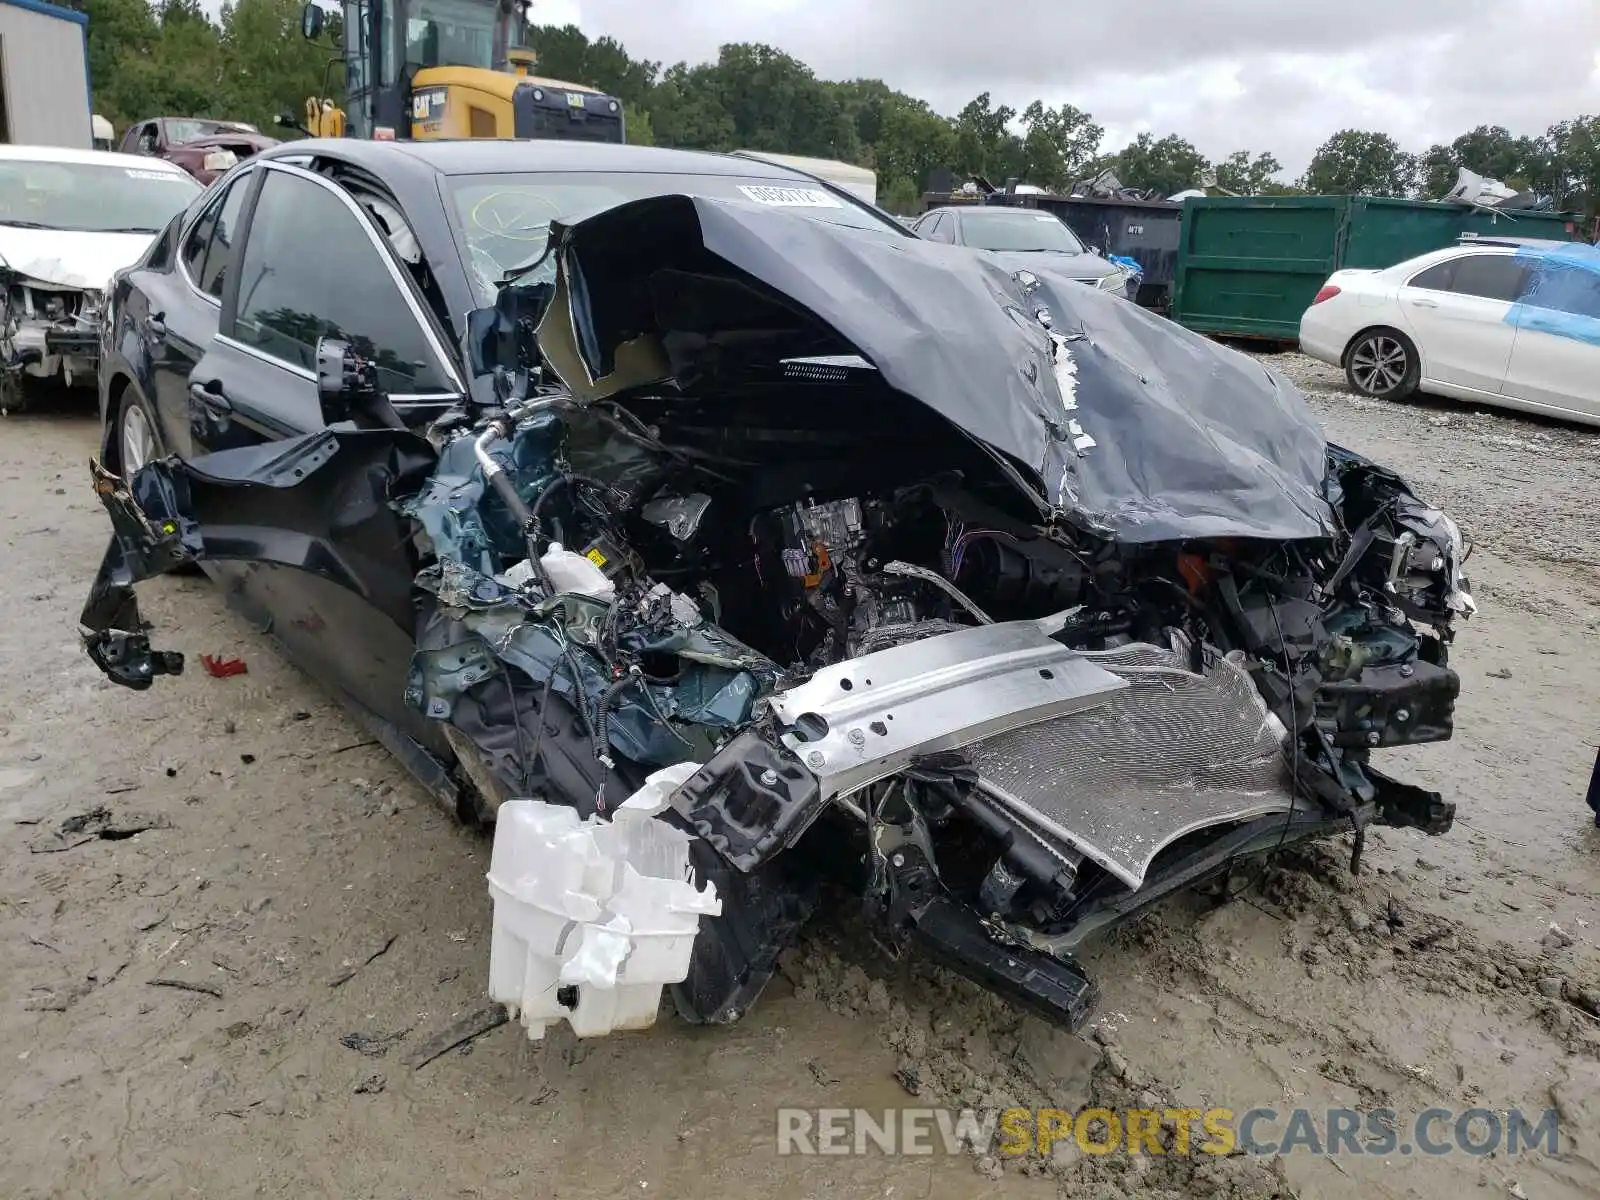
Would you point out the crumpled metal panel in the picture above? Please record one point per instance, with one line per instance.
(462, 516)
(1143, 431)
(1173, 753)
(652, 723)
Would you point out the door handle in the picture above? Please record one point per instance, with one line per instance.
(1426, 303)
(209, 395)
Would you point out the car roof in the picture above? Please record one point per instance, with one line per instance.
(1541, 248)
(1428, 258)
(1520, 243)
(487, 156)
(99, 158)
(1012, 208)
(1509, 245)
(986, 208)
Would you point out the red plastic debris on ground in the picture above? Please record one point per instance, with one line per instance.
(221, 668)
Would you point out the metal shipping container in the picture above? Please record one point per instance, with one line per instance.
(1250, 266)
(44, 75)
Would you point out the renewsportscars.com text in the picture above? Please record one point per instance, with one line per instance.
(1380, 1132)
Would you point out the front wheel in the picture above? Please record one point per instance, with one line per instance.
(137, 441)
(1383, 364)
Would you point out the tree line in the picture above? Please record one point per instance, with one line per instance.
(169, 58)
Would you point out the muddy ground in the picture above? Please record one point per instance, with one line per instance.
(290, 868)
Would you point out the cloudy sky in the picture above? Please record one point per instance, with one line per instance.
(1278, 75)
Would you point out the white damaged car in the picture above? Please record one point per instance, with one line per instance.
(69, 219)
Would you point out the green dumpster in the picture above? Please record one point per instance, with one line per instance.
(1249, 266)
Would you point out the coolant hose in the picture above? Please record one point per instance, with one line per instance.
(498, 429)
(556, 485)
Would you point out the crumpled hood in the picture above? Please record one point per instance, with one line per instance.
(1040, 262)
(1131, 425)
(68, 257)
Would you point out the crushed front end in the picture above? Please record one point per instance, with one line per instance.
(1011, 625)
(48, 330)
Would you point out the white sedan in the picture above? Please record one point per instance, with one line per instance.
(69, 219)
(1514, 322)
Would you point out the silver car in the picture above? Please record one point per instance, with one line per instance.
(1025, 239)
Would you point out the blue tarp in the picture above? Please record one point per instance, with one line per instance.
(1562, 295)
(1124, 261)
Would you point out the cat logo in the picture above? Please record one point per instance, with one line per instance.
(428, 105)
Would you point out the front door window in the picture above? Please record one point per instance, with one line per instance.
(289, 299)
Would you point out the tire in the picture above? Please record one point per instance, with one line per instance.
(131, 410)
(21, 393)
(1383, 364)
(135, 421)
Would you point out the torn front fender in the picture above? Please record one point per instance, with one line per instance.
(151, 534)
(318, 503)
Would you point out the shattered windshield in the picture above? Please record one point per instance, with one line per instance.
(91, 198)
(1022, 231)
(182, 131)
(504, 220)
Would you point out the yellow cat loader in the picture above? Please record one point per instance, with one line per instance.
(431, 69)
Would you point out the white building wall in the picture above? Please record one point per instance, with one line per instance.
(45, 76)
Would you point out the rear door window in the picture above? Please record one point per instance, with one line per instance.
(1437, 277)
(291, 295)
(1490, 276)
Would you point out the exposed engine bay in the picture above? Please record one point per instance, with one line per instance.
(1006, 704)
(46, 331)
(1205, 676)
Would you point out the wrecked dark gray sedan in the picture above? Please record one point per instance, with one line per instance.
(1005, 605)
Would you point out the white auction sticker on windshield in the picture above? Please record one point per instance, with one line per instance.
(789, 197)
(163, 176)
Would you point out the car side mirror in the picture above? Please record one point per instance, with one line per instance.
(347, 383)
(311, 22)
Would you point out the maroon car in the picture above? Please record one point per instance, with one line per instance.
(202, 147)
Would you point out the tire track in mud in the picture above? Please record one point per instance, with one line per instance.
(959, 1046)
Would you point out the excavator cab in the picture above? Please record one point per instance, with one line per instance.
(431, 69)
